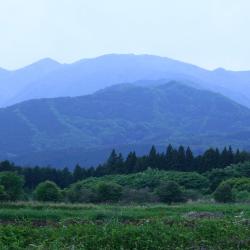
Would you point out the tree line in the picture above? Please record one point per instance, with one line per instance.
(175, 159)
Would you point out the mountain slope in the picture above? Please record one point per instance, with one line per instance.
(124, 114)
(90, 75)
(14, 82)
(3, 72)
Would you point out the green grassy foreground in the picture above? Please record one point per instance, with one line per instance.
(64, 226)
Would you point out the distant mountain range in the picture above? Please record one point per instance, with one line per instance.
(124, 116)
(12, 83)
(50, 79)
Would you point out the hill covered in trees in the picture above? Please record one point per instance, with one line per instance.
(175, 176)
(124, 114)
(179, 159)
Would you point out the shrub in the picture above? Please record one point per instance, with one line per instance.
(152, 179)
(192, 194)
(138, 196)
(139, 186)
(108, 192)
(13, 185)
(239, 184)
(3, 194)
(242, 196)
(47, 191)
(243, 168)
(79, 193)
(170, 192)
(223, 193)
(188, 180)
(216, 176)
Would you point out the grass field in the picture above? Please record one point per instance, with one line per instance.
(185, 226)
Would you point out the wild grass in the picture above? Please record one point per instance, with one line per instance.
(62, 211)
(26, 225)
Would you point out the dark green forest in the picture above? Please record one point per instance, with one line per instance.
(176, 176)
(174, 159)
(120, 116)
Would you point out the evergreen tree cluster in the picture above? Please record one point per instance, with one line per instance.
(176, 159)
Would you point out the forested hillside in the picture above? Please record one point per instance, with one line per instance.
(124, 115)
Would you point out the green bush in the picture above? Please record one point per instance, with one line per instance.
(79, 193)
(13, 185)
(143, 195)
(152, 179)
(216, 176)
(243, 168)
(3, 194)
(242, 196)
(47, 191)
(192, 194)
(223, 193)
(140, 186)
(108, 192)
(170, 192)
(241, 188)
(240, 184)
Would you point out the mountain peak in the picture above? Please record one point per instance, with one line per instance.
(3, 70)
(220, 70)
(45, 65)
(4, 73)
(45, 62)
(48, 78)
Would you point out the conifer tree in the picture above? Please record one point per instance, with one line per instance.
(77, 174)
(110, 165)
(130, 162)
(189, 160)
(181, 160)
(153, 158)
(169, 157)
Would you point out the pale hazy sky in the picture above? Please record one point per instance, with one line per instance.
(208, 33)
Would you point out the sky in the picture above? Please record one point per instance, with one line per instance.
(207, 33)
